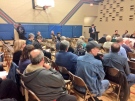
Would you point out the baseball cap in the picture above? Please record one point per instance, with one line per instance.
(91, 45)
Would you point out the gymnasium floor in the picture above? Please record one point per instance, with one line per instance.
(112, 97)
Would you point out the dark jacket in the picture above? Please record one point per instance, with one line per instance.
(102, 40)
(79, 51)
(16, 57)
(37, 45)
(21, 32)
(48, 85)
(90, 30)
(126, 48)
(120, 79)
(70, 49)
(9, 89)
(132, 36)
(1, 60)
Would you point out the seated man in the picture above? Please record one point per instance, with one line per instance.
(102, 40)
(37, 45)
(38, 34)
(30, 39)
(91, 71)
(122, 50)
(45, 82)
(125, 45)
(112, 59)
(66, 59)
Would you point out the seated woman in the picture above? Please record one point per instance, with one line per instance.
(71, 47)
(79, 50)
(24, 60)
(108, 42)
(18, 47)
(82, 39)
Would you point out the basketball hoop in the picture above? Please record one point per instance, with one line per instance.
(45, 3)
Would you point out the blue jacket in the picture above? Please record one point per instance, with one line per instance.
(12, 74)
(91, 71)
(67, 60)
(114, 60)
(28, 42)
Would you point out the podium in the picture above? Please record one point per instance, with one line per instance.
(96, 35)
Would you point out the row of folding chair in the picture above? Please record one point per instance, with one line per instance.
(76, 81)
(29, 95)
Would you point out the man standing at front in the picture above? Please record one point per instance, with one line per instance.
(92, 31)
(91, 71)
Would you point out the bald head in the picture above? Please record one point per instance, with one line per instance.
(36, 56)
(115, 47)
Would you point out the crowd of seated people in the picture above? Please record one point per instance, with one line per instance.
(80, 59)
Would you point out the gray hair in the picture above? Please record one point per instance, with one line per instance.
(31, 35)
(62, 38)
(80, 42)
(36, 60)
(64, 45)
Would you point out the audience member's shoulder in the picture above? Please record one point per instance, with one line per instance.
(80, 57)
(107, 54)
(70, 53)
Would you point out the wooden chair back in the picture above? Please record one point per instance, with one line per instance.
(131, 55)
(132, 66)
(63, 70)
(77, 81)
(31, 95)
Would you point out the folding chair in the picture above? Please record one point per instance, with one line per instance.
(117, 78)
(63, 70)
(132, 66)
(29, 95)
(77, 81)
(131, 55)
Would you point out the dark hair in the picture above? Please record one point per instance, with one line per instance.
(58, 33)
(115, 47)
(39, 37)
(116, 30)
(25, 53)
(92, 25)
(36, 60)
(88, 48)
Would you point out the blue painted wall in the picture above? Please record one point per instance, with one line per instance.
(7, 30)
